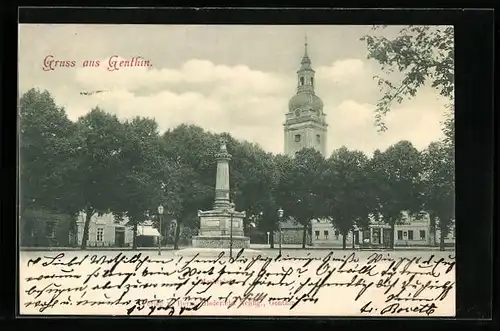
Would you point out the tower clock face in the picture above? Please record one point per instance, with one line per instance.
(297, 112)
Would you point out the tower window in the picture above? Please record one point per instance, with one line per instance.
(301, 81)
(312, 80)
(297, 138)
(318, 138)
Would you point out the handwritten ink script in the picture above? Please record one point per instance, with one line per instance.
(334, 284)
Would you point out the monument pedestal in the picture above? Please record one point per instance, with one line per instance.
(221, 242)
(216, 232)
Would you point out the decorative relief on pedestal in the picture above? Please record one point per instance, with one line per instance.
(211, 223)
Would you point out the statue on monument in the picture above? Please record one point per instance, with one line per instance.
(223, 143)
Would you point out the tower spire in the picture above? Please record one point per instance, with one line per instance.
(305, 46)
(306, 61)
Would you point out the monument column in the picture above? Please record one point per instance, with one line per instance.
(221, 227)
(222, 199)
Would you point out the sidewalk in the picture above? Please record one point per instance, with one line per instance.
(252, 246)
(348, 248)
(104, 248)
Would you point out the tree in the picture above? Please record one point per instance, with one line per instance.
(94, 179)
(348, 196)
(397, 177)
(45, 135)
(419, 54)
(141, 173)
(45, 155)
(253, 179)
(280, 168)
(191, 152)
(301, 189)
(439, 184)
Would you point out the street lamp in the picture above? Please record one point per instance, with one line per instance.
(280, 216)
(231, 211)
(160, 213)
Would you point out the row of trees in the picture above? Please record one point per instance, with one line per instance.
(99, 164)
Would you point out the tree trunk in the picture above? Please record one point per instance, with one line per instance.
(88, 215)
(271, 238)
(177, 235)
(432, 230)
(167, 232)
(304, 236)
(72, 232)
(392, 234)
(344, 240)
(441, 237)
(134, 239)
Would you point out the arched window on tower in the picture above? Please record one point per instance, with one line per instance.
(312, 81)
(301, 81)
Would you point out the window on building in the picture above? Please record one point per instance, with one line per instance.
(100, 232)
(454, 233)
(326, 234)
(316, 233)
(50, 229)
(312, 80)
(400, 235)
(318, 138)
(301, 81)
(422, 234)
(410, 234)
(297, 137)
(337, 234)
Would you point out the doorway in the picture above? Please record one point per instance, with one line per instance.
(388, 237)
(119, 237)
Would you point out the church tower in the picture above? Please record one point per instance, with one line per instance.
(305, 125)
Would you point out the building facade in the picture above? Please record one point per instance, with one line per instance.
(105, 231)
(305, 125)
(291, 233)
(410, 232)
(43, 228)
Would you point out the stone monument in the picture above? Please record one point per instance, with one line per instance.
(215, 225)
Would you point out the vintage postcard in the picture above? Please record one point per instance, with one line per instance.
(246, 170)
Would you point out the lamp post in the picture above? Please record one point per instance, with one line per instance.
(160, 213)
(231, 211)
(280, 215)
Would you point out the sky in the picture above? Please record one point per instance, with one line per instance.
(237, 79)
